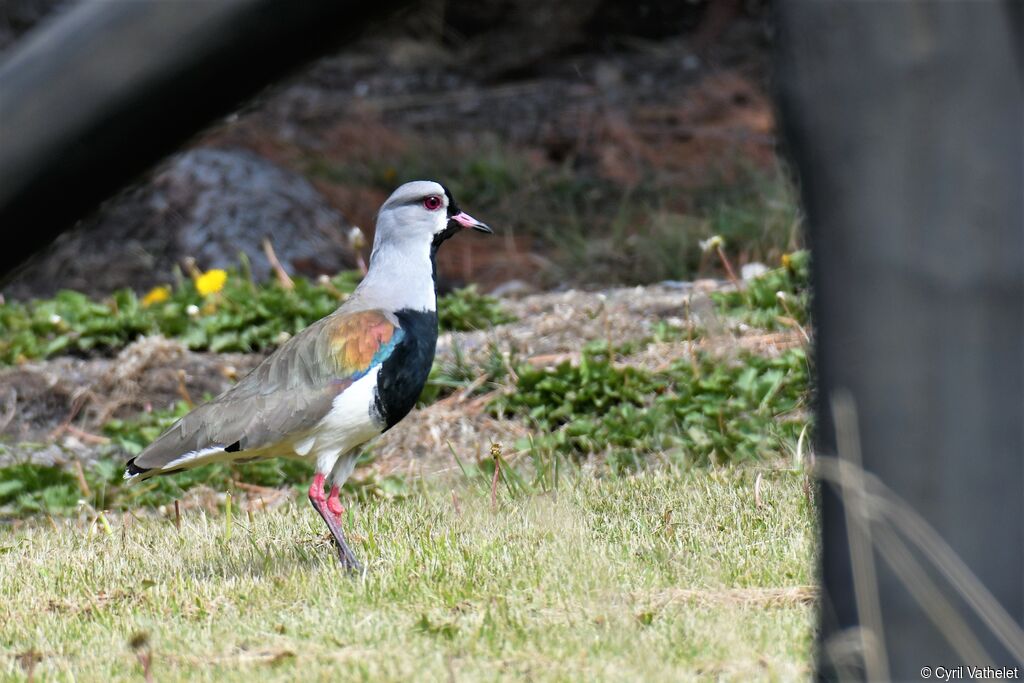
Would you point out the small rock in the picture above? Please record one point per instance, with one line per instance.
(513, 288)
(752, 270)
(705, 285)
(208, 204)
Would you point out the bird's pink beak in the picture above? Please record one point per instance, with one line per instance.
(467, 221)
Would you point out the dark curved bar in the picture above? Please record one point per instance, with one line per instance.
(93, 99)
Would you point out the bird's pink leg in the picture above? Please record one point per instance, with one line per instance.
(330, 510)
(316, 490)
(334, 503)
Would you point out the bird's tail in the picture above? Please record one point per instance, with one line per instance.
(135, 472)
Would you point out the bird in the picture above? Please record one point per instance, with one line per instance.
(343, 380)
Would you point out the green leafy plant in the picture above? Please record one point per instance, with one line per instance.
(29, 488)
(229, 313)
(467, 309)
(705, 411)
(776, 300)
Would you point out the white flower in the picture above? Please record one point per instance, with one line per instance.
(712, 243)
(356, 238)
(192, 310)
(55, 319)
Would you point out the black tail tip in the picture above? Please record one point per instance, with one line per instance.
(132, 470)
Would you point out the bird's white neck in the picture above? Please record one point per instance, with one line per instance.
(401, 276)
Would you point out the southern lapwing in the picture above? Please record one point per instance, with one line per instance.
(344, 379)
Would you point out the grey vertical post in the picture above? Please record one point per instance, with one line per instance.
(904, 121)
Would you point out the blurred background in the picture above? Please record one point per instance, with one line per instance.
(604, 142)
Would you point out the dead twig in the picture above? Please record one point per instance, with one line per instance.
(460, 396)
(77, 402)
(10, 408)
(506, 361)
(255, 488)
(752, 597)
(80, 476)
(476, 405)
(27, 661)
(496, 455)
(791, 319)
(183, 390)
(88, 437)
(140, 644)
(548, 359)
(279, 271)
(325, 282)
(729, 272)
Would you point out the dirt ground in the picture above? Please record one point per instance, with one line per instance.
(52, 411)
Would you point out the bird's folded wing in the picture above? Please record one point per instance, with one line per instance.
(286, 395)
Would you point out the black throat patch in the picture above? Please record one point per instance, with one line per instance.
(402, 376)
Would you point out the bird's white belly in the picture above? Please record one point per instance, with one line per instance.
(349, 424)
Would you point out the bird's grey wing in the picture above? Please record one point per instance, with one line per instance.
(285, 396)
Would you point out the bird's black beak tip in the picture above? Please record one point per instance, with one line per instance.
(466, 221)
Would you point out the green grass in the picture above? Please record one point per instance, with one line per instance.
(665, 576)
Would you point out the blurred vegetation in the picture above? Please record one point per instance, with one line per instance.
(214, 311)
(595, 230)
(467, 309)
(777, 300)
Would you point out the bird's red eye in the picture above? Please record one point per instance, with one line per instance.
(432, 203)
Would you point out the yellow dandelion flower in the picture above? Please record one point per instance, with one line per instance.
(157, 295)
(211, 282)
(786, 260)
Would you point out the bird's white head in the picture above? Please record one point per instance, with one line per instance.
(411, 225)
(422, 212)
